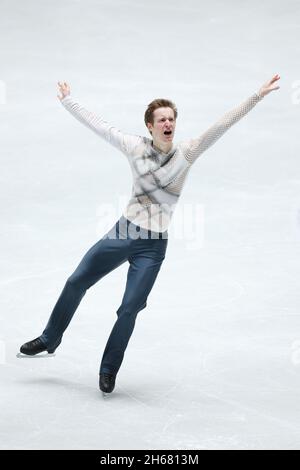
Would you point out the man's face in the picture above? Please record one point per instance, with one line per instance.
(164, 122)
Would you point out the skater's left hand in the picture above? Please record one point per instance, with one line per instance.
(269, 86)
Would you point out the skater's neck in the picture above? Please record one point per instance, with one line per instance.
(162, 147)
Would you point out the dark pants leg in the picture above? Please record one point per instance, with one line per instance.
(145, 262)
(145, 256)
(106, 255)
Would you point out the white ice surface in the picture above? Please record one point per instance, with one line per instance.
(214, 360)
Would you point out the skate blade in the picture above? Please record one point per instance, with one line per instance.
(36, 356)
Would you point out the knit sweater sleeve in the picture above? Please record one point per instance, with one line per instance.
(124, 142)
(197, 146)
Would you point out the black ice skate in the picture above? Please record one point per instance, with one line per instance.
(34, 348)
(107, 382)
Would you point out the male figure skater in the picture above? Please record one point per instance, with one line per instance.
(140, 236)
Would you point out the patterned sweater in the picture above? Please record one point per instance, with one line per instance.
(158, 177)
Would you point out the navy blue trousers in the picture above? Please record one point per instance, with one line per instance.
(145, 252)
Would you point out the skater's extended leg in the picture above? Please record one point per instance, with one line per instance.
(106, 255)
(144, 266)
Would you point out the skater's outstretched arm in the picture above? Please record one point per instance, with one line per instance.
(124, 142)
(197, 146)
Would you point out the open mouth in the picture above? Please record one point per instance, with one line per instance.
(167, 132)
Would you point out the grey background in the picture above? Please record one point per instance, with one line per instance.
(214, 360)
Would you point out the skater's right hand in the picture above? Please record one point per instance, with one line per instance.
(64, 90)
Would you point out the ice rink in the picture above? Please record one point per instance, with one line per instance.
(214, 360)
